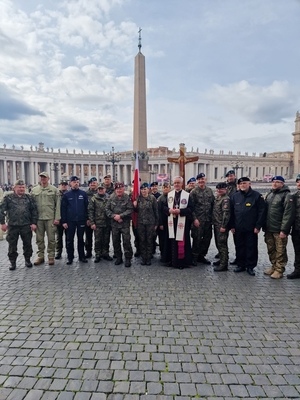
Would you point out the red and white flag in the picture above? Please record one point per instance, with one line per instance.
(136, 188)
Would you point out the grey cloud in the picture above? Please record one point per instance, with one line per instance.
(12, 108)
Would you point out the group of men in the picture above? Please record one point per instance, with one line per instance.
(105, 210)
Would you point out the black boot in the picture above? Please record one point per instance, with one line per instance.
(97, 259)
(221, 268)
(239, 269)
(127, 263)
(58, 256)
(217, 263)
(294, 275)
(203, 260)
(88, 254)
(28, 263)
(107, 257)
(13, 266)
(118, 261)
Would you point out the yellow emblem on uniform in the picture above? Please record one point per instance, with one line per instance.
(248, 204)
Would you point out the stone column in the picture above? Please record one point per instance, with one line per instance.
(89, 171)
(74, 169)
(13, 175)
(82, 173)
(36, 173)
(126, 180)
(5, 171)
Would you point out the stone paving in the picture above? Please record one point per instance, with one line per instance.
(100, 331)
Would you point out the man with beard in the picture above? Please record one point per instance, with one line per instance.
(178, 208)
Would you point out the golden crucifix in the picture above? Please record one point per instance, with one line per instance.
(182, 160)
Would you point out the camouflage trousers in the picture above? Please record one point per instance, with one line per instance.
(146, 233)
(221, 239)
(201, 239)
(42, 227)
(12, 237)
(277, 250)
(102, 237)
(118, 234)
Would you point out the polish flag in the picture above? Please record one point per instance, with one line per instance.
(136, 188)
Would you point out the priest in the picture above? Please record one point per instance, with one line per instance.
(177, 209)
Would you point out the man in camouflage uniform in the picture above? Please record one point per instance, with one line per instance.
(48, 204)
(147, 222)
(280, 216)
(100, 224)
(296, 233)
(20, 209)
(202, 199)
(109, 187)
(191, 184)
(221, 218)
(63, 188)
(231, 182)
(119, 209)
(92, 190)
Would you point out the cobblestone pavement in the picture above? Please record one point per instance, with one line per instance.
(100, 331)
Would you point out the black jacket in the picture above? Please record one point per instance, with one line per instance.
(248, 211)
(74, 205)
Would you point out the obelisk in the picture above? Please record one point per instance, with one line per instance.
(140, 114)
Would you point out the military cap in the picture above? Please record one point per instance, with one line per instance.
(221, 185)
(166, 184)
(243, 179)
(154, 184)
(191, 180)
(278, 178)
(45, 174)
(74, 178)
(201, 175)
(119, 185)
(107, 176)
(63, 182)
(231, 172)
(144, 185)
(92, 179)
(19, 182)
(298, 178)
(101, 186)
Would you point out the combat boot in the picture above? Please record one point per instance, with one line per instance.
(13, 266)
(269, 271)
(203, 260)
(58, 256)
(127, 263)
(294, 275)
(217, 262)
(97, 259)
(28, 263)
(107, 257)
(51, 261)
(277, 275)
(39, 261)
(118, 261)
(221, 268)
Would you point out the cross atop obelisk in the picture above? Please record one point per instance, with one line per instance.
(140, 115)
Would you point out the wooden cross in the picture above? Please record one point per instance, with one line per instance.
(182, 160)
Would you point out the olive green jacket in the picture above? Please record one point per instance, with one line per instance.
(48, 202)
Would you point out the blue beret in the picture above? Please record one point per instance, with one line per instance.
(201, 175)
(144, 185)
(191, 180)
(278, 178)
(74, 178)
(93, 179)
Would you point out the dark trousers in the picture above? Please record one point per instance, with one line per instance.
(13, 236)
(296, 245)
(246, 249)
(59, 239)
(89, 239)
(74, 226)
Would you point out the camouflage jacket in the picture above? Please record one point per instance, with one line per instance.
(147, 210)
(231, 188)
(221, 211)
(280, 210)
(90, 193)
(203, 201)
(96, 211)
(296, 224)
(19, 211)
(122, 206)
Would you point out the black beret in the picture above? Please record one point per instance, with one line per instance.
(243, 179)
(222, 185)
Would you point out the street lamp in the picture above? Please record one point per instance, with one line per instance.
(55, 168)
(236, 165)
(113, 158)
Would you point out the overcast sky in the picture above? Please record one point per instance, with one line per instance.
(221, 74)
